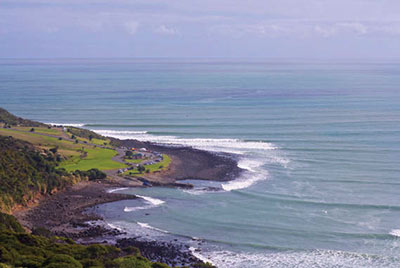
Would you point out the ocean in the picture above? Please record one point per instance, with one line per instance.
(319, 142)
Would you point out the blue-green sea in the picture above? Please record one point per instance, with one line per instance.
(319, 142)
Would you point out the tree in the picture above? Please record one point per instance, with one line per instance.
(32, 130)
(128, 154)
(141, 168)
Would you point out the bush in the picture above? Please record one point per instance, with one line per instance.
(30, 261)
(41, 231)
(92, 174)
(62, 261)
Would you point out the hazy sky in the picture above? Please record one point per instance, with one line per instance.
(200, 28)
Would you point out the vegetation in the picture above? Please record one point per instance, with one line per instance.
(20, 249)
(26, 172)
(77, 156)
(162, 165)
(42, 130)
(12, 120)
(85, 133)
(91, 174)
(99, 158)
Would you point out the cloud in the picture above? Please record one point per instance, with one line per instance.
(164, 30)
(131, 27)
(356, 27)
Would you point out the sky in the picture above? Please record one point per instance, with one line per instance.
(200, 28)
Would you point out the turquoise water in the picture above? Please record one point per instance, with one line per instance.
(320, 143)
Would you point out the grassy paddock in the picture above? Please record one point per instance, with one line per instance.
(43, 130)
(96, 158)
(152, 168)
(99, 158)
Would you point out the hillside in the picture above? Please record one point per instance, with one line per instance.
(26, 172)
(11, 120)
(20, 249)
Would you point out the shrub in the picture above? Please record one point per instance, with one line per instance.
(61, 260)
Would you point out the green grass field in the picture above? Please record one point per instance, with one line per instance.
(96, 157)
(93, 141)
(152, 168)
(43, 130)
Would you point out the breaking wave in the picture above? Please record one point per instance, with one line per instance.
(253, 154)
(253, 174)
(148, 226)
(303, 259)
(67, 124)
(150, 203)
(116, 190)
(236, 146)
(395, 232)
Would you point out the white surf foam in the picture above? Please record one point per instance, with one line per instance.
(304, 259)
(148, 226)
(150, 201)
(116, 190)
(67, 124)
(220, 145)
(118, 132)
(265, 152)
(200, 256)
(395, 232)
(254, 174)
(114, 226)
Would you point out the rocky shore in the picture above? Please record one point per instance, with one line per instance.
(66, 213)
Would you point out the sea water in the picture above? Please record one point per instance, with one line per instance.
(319, 143)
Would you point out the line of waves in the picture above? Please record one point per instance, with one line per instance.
(322, 204)
(149, 201)
(148, 226)
(253, 165)
(312, 258)
(66, 124)
(220, 145)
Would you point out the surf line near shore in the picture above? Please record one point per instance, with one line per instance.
(252, 156)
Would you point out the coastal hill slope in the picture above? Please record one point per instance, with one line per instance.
(8, 118)
(43, 167)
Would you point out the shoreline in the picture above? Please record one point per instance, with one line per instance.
(66, 212)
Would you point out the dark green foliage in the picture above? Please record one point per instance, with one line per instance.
(92, 174)
(128, 153)
(25, 172)
(8, 222)
(41, 231)
(12, 120)
(141, 168)
(204, 265)
(32, 130)
(20, 249)
(84, 133)
(115, 142)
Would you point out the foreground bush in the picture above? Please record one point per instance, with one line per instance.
(20, 249)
